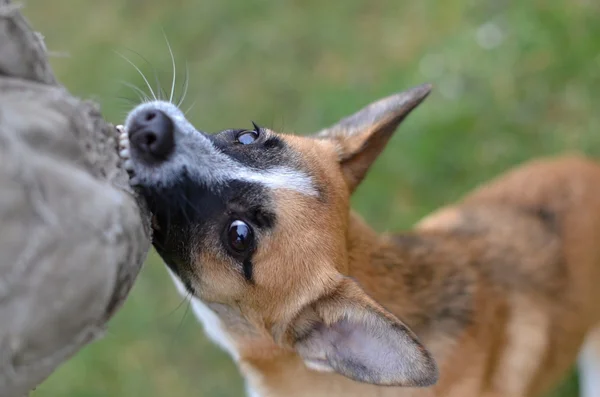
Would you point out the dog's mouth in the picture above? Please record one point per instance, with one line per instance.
(128, 164)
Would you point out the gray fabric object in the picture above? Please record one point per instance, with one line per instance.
(72, 236)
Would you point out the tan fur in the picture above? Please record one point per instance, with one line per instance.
(500, 287)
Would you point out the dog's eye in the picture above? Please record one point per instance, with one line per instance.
(247, 137)
(240, 236)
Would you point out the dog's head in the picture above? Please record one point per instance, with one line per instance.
(257, 221)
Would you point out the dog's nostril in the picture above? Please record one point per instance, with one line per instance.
(150, 138)
(150, 116)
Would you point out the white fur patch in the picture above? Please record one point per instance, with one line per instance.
(589, 366)
(210, 321)
(318, 366)
(214, 328)
(281, 178)
(250, 392)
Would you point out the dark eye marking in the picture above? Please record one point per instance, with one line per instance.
(240, 242)
(246, 137)
(273, 143)
(247, 269)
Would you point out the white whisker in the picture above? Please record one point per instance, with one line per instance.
(186, 85)
(141, 94)
(154, 72)
(189, 108)
(174, 68)
(128, 100)
(140, 72)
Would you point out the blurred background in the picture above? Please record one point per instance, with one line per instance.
(513, 80)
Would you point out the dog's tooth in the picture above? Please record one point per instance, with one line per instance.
(128, 165)
(123, 136)
(124, 143)
(124, 153)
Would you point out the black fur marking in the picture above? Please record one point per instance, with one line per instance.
(189, 211)
(247, 268)
(171, 265)
(455, 305)
(273, 143)
(548, 219)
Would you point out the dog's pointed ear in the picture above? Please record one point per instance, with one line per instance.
(360, 138)
(348, 333)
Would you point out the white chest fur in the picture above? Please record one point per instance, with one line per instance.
(210, 321)
(213, 327)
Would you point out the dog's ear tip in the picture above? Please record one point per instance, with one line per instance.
(418, 93)
(362, 136)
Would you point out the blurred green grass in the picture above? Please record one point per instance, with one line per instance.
(512, 81)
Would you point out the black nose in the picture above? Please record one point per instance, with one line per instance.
(151, 134)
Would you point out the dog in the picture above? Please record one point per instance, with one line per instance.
(494, 295)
